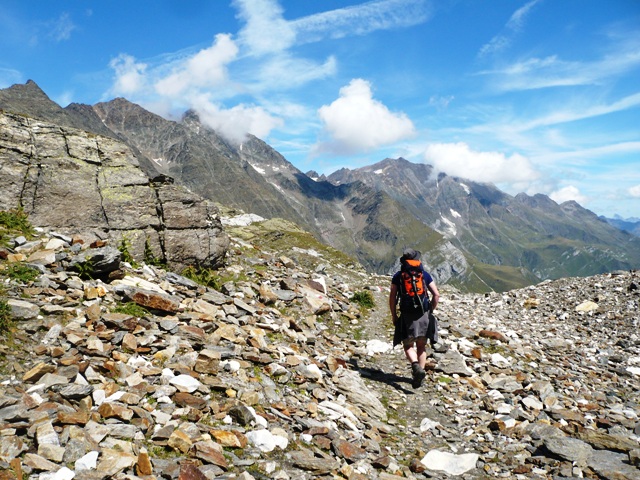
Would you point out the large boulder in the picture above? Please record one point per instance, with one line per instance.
(74, 181)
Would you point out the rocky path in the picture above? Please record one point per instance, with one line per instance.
(276, 374)
(548, 380)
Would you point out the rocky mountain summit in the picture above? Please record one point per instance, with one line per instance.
(278, 369)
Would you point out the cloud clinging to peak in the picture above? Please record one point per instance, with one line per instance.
(567, 193)
(458, 159)
(129, 75)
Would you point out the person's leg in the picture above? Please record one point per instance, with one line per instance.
(410, 351)
(417, 369)
(421, 351)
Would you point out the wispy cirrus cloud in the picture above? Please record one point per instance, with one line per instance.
(580, 108)
(621, 55)
(60, 29)
(580, 112)
(511, 29)
(362, 19)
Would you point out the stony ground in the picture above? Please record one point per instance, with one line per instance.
(278, 373)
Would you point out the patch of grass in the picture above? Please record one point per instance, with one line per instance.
(157, 451)
(443, 379)
(494, 348)
(364, 298)
(211, 278)
(358, 333)
(21, 272)
(132, 309)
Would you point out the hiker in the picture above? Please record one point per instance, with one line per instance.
(416, 323)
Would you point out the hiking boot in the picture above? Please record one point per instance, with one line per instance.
(418, 375)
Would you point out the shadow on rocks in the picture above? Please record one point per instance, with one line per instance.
(378, 375)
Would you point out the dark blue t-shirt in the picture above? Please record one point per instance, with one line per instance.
(409, 309)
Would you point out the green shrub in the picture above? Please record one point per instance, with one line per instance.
(364, 298)
(203, 276)
(16, 220)
(86, 269)
(6, 320)
(150, 258)
(124, 247)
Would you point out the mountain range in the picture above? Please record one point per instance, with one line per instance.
(472, 235)
(631, 225)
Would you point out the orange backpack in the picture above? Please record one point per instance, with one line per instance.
(412, 279)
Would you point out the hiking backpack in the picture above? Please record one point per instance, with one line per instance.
(412, 288)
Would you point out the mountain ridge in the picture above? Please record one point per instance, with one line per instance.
(472, 235)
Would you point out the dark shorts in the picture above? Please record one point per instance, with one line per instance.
(425, 326)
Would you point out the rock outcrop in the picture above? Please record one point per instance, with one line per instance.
(90, 185)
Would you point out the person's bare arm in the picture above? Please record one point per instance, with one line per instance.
(435, 295)
(393, 294)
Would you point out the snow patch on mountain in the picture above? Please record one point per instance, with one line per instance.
(258, 169)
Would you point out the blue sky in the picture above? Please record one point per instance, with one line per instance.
(539, 96)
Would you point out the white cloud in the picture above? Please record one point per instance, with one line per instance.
(265, 30)
(458, 160)
(236, 122)
(205, 69)
(65, 98)
(259, 63)
(130, 75)
(634, 191)
(568, 193)
(9, 77)
(356, 122)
